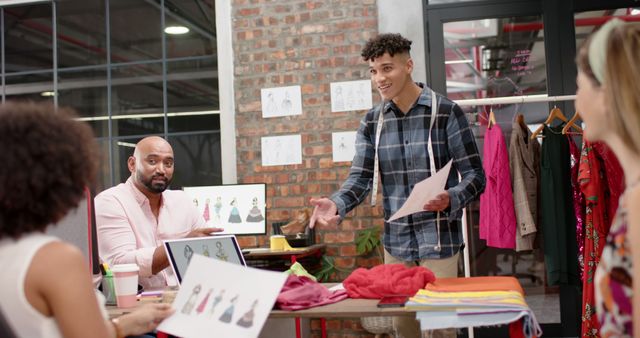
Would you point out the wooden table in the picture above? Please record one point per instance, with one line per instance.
(346, 308)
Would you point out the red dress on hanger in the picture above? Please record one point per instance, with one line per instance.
(601, 181)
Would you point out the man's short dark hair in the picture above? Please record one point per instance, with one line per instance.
(48, 160)
(385, 43)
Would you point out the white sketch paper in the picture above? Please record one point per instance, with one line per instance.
(423, 192)
(281, 150)
(351, 95)
(238, 208)
(344, 146)
(224, 298)
(281, 101)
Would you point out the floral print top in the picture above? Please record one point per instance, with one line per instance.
(614, 287)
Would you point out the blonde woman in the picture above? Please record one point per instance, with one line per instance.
(608, 99)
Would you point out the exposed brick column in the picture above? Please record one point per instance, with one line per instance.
(311, 44)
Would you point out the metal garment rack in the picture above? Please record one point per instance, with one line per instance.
(500, 100)
(514, 99)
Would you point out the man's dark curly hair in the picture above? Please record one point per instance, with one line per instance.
(49, 159)
(385, 43)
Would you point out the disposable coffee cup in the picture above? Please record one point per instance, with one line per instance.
(276, 242)
(125, 277)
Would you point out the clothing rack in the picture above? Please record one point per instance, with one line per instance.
(514, 99)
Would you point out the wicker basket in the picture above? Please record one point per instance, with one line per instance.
(378, 325)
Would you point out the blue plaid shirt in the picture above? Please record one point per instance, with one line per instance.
(404, 161)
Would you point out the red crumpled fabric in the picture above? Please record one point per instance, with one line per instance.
(301, 292)
(387, 280)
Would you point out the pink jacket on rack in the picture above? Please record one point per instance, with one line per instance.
(497, 214)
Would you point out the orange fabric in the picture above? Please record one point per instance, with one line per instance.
(492, 283)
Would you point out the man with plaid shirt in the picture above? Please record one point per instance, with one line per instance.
(403, 161)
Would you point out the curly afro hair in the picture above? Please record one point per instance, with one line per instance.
(49, 160)
(385, 43)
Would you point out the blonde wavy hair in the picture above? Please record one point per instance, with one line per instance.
(621, 80)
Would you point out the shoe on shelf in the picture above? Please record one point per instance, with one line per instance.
(299, 223)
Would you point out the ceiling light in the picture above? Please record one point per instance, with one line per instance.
(46, 94)
(635, 11)
(176, 30)
(453, 62)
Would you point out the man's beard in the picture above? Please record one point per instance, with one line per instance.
(156, 187)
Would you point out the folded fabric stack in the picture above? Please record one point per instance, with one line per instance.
(474, 301)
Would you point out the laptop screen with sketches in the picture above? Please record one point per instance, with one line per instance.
(222, 247)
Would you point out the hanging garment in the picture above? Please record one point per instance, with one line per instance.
(614, 176)
(578, 202)
(600, 177)
(592, 187)
(497, 216)
(524, 161)
(558, 220)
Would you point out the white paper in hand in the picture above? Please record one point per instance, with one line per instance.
(222, 299)
(423, 192)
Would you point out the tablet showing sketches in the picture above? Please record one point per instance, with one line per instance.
(180, 251)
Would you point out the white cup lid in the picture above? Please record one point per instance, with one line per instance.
(125, 268)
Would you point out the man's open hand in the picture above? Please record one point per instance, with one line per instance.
(324, 212)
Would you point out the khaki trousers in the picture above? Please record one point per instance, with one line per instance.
(408, 327)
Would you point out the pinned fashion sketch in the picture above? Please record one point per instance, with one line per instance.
(203, 303)
(255, 215)
(217, 207)
(234, 217)
(191, 302)
(221, 254)
(216, 301)
(205, 214)
(271, 107)
(247, 319)
(188, 252)
(228, 313)
(287, 105)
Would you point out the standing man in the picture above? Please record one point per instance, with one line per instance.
(134, 217)
(431, 238)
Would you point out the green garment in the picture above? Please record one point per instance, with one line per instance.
(558, 218)
(299, 270)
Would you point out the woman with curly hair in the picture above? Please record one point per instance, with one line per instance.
(608, 99)
(46, 289)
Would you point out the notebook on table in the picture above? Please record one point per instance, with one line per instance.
(221, 247)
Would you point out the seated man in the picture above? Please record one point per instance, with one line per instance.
(134, 217)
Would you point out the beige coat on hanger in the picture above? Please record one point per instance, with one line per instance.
(524, 162)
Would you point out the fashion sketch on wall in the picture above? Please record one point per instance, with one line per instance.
(237, 208)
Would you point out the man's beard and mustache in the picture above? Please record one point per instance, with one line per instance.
(155, 187)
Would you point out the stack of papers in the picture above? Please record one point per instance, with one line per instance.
(458, 309)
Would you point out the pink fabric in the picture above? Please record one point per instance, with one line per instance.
(497, 214)
(128, 232)
(301, 292)
(387, 280)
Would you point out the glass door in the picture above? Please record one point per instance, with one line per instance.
(499, 49)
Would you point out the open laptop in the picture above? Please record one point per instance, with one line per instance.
(222, 247)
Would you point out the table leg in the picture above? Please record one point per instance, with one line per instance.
(323, 327)
(298, 329)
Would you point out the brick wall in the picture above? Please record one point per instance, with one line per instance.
(311, 44)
